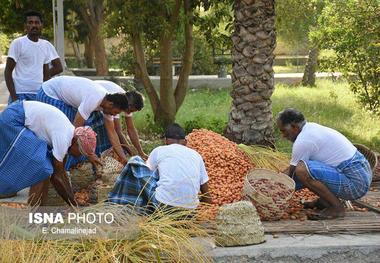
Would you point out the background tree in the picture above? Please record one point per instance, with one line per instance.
(77, 32)
(294, 21)
(93, 13)
(352, 29)
(12, 15)
(216, 24)
(254, 40)
(156, 24)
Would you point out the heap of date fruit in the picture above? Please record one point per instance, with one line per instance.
(227, 167)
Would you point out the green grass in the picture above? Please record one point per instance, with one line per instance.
(288, 69)
(330, 103)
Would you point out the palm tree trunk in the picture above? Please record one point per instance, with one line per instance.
(254, 40)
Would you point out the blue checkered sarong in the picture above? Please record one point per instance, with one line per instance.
(23, 96)
(350, 180)
(96, 122)
(68, 110)
(135, 185)
(24, 158)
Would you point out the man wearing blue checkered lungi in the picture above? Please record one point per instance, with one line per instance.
(87, 103)
(172, 177)
(35, 139)
(326, 162)
(135, 186)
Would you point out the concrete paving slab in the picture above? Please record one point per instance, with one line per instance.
(21, 197)
(303, 248)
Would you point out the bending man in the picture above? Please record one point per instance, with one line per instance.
(135, 103)
(85, 102)
(35, 139)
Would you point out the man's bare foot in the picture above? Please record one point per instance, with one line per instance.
(331, 212)
(317, 203)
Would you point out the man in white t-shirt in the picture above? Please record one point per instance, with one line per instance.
(85, 102)
(28, 58)
(326, 162)
(133, 103)
(36, 137)
(181, 171)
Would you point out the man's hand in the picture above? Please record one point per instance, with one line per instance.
(143, 155)
(286, 171)
(127, 148)
(94, 160)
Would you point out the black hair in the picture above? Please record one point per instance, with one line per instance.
(290, 115)
(32, 13)
(135, 99)
(119, 100)
(175, 131)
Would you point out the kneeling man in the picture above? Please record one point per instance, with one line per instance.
(35, 140)
(326, 162)
(171, 178)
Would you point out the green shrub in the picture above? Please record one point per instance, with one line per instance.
(4, 44)
(352, 30)
(214, 124)
(151, 127)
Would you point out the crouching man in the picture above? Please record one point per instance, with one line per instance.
(35, 140)
(172, 176)
(326, 162)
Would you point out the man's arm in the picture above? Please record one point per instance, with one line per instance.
(114, 140)
(56, 67)
(9, 67)
(133, 135)
(205, 197)
(290, 171)
(122, 139)
(46, 72)
(61, 183)
(78, 120)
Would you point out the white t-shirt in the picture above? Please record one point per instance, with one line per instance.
(30, 57)
(320, 143)
(52, 51)
(181, 173)
(112, 88)
(53, 55)
(51, 125)
(80, 93)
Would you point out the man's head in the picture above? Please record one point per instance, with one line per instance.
(135, 101)
(174, 133)
(290, 122)
(33, 24)
(84, 142)
(115, 103)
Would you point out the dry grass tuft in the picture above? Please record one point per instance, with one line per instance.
(164, 236)
(265, 157)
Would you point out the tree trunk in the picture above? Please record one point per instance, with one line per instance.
(92, 13)
(166, 114)
(101, 63)
(138, 53)
(310, 68)
(88, 53)
(254, 40)
(75, 46)
(187, 59)
(166, 105)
